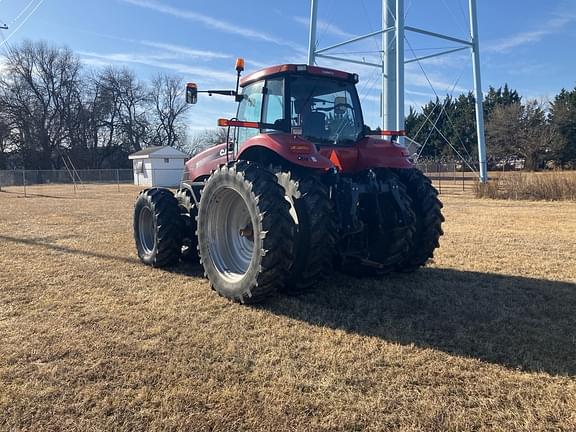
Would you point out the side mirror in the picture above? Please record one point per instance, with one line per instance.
(191, 93)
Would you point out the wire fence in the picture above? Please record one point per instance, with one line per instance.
(449, 177)
(71, 183)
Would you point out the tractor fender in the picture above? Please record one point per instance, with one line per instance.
(368, 153)
(292, 148)
(380, 153)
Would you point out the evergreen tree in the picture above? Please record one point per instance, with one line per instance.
(501, 97)
(463, 125)
(455, 119)
(563, 117)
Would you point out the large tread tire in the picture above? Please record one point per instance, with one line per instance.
(157, 228)
(428, 210)
(390, 244)
(188, 214)
(315, 237)
(271, 228)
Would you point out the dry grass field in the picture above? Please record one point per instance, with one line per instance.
(484, 339)
(548, 186)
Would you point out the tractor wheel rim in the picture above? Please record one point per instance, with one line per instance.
(146, 230)
(230, 235)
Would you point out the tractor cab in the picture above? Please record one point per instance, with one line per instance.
(299, 115)
(320, 105)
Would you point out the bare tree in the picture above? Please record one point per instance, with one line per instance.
(92, 129)
(167, 97)
(205, 139)
(5, 141)
(37, 91)
(126, 99)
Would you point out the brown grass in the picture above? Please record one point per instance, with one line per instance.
(90, 339)
(548, 186)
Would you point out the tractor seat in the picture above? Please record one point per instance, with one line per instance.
(314, 124)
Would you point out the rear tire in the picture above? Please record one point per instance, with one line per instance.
(315, 237)
(157, 228)
(245, 232)
(428, 210)
(188, 214)
(389, 243)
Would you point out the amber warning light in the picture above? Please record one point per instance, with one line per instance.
(239, 64)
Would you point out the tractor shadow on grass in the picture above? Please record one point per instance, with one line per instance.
(47, 243)
(517, 322)
(185, 268)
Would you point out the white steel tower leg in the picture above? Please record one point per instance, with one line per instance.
(313, 26)
(400, 66)
(478, 93)
(389, 101)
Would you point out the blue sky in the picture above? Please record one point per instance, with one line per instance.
(528, 44)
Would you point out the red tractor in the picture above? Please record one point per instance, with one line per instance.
(301, 185)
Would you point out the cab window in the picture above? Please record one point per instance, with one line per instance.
(327, 110)
(274, 102)
(250, 109)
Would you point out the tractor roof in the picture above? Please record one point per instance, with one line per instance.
(297, 69)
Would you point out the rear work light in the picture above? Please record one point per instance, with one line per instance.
(296, 130)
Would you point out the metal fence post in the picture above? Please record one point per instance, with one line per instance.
(24, 181)
(118, 178)
(439, 168)
(463, 189)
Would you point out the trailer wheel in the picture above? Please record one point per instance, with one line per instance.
(428, 210)
(188, 214)
(157, 228)
(315, 237)
(245, 232)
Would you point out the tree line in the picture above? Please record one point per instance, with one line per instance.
(542, 134)
(53, 109)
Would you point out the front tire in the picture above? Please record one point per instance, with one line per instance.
(188, 214)
(157, 228)
(245, 232)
